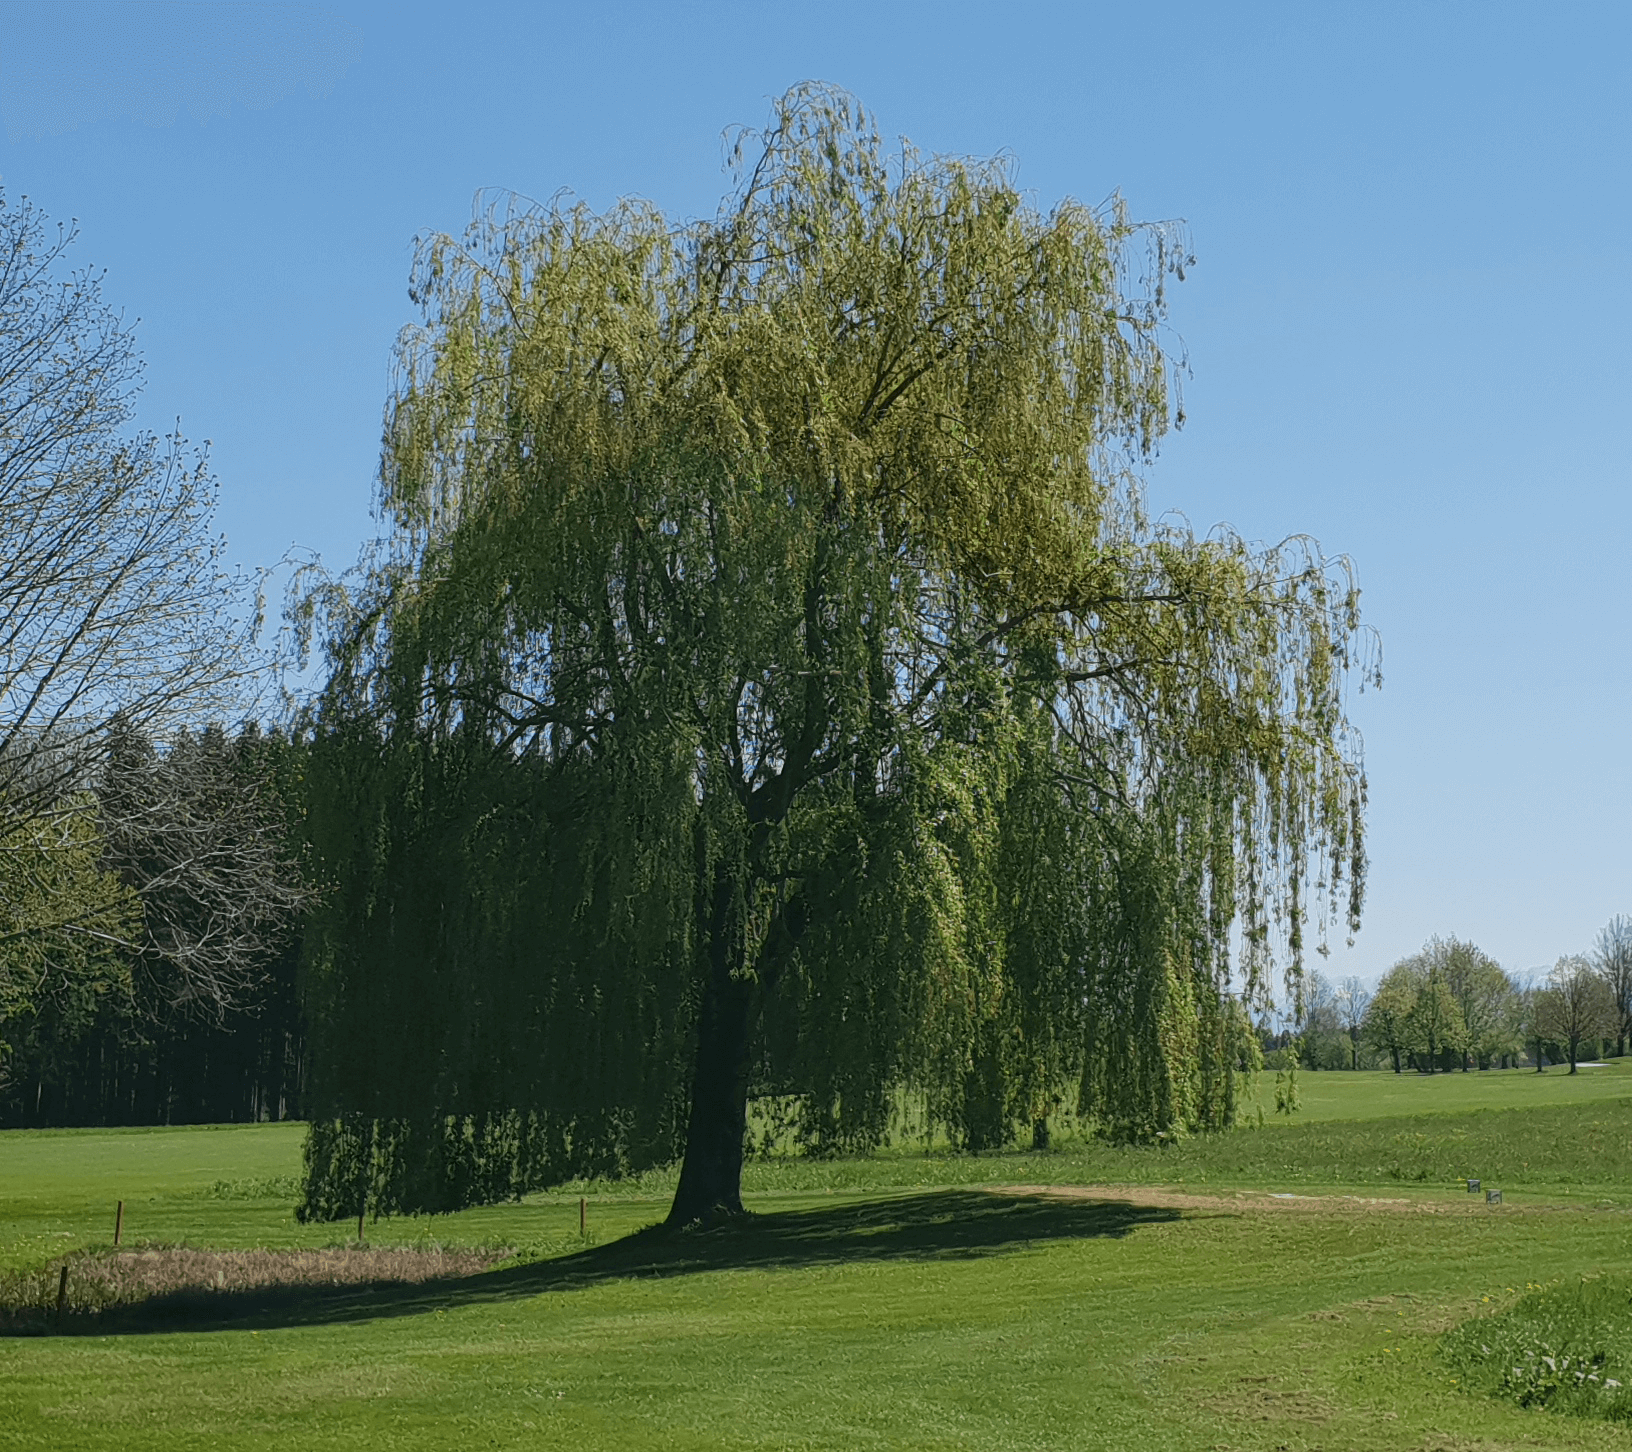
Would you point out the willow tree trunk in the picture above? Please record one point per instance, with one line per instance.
(710, 1188)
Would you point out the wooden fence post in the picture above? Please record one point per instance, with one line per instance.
(118, 1222)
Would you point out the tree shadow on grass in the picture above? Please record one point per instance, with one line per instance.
(940, 1225)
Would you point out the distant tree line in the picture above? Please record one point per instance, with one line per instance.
(1452, 1007)
(178, 1004)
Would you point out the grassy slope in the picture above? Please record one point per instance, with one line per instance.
(863, 1312)
(1373, 1094)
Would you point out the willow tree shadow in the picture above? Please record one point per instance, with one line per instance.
(940, 1225)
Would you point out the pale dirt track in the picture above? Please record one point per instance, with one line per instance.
(1263, 1200)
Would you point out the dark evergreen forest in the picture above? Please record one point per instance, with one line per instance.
(114, 1066)
(190, 1012)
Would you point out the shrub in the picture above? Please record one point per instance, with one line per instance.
(1567, 1348)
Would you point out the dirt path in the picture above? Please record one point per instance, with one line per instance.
(1257, 1200)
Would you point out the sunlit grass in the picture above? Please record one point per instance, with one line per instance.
(1378, 1093)
(898, 1301)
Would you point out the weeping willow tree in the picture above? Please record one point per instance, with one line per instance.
(770, 683)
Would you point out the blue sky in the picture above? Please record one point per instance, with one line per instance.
(1406, 327)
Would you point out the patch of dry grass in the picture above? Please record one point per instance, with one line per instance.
(179, 1278)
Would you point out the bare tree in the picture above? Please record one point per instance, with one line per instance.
(1353, 999)
(116, 611)
(1574, 1006)
(200, 833)
(1318, 1023)
(1612, 957)
(1527, 991)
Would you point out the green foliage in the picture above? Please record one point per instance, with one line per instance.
(1287, 1098)
(474, 1003)
(1449, 1006)
(66, 923)
(1434, 1024)
(148, 953)
(771, 684)
(1388, 1023)
(1566, 1347)
(1485, 999)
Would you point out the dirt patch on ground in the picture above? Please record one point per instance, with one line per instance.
(116, 1281)
(1266, 1200)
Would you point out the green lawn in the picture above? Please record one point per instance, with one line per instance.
(898, 1302)
(1371, 1094)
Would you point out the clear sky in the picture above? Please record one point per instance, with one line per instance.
(1407, 328)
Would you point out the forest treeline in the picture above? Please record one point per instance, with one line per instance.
(1452, 1007)
(117, 1010)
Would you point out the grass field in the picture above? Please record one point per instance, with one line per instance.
(1169, 1300)
(1373, 1095)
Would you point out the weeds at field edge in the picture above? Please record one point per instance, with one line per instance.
(179, 1279)
(1565, 1347)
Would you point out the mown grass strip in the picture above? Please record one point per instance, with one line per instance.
(1553, 1147)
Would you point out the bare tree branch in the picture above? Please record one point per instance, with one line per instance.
(117, 614)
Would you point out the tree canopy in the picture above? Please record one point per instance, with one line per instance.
(771, 683)
(1448, 1006)
(1575, 1005)
(117, 619)
(1612, 957)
